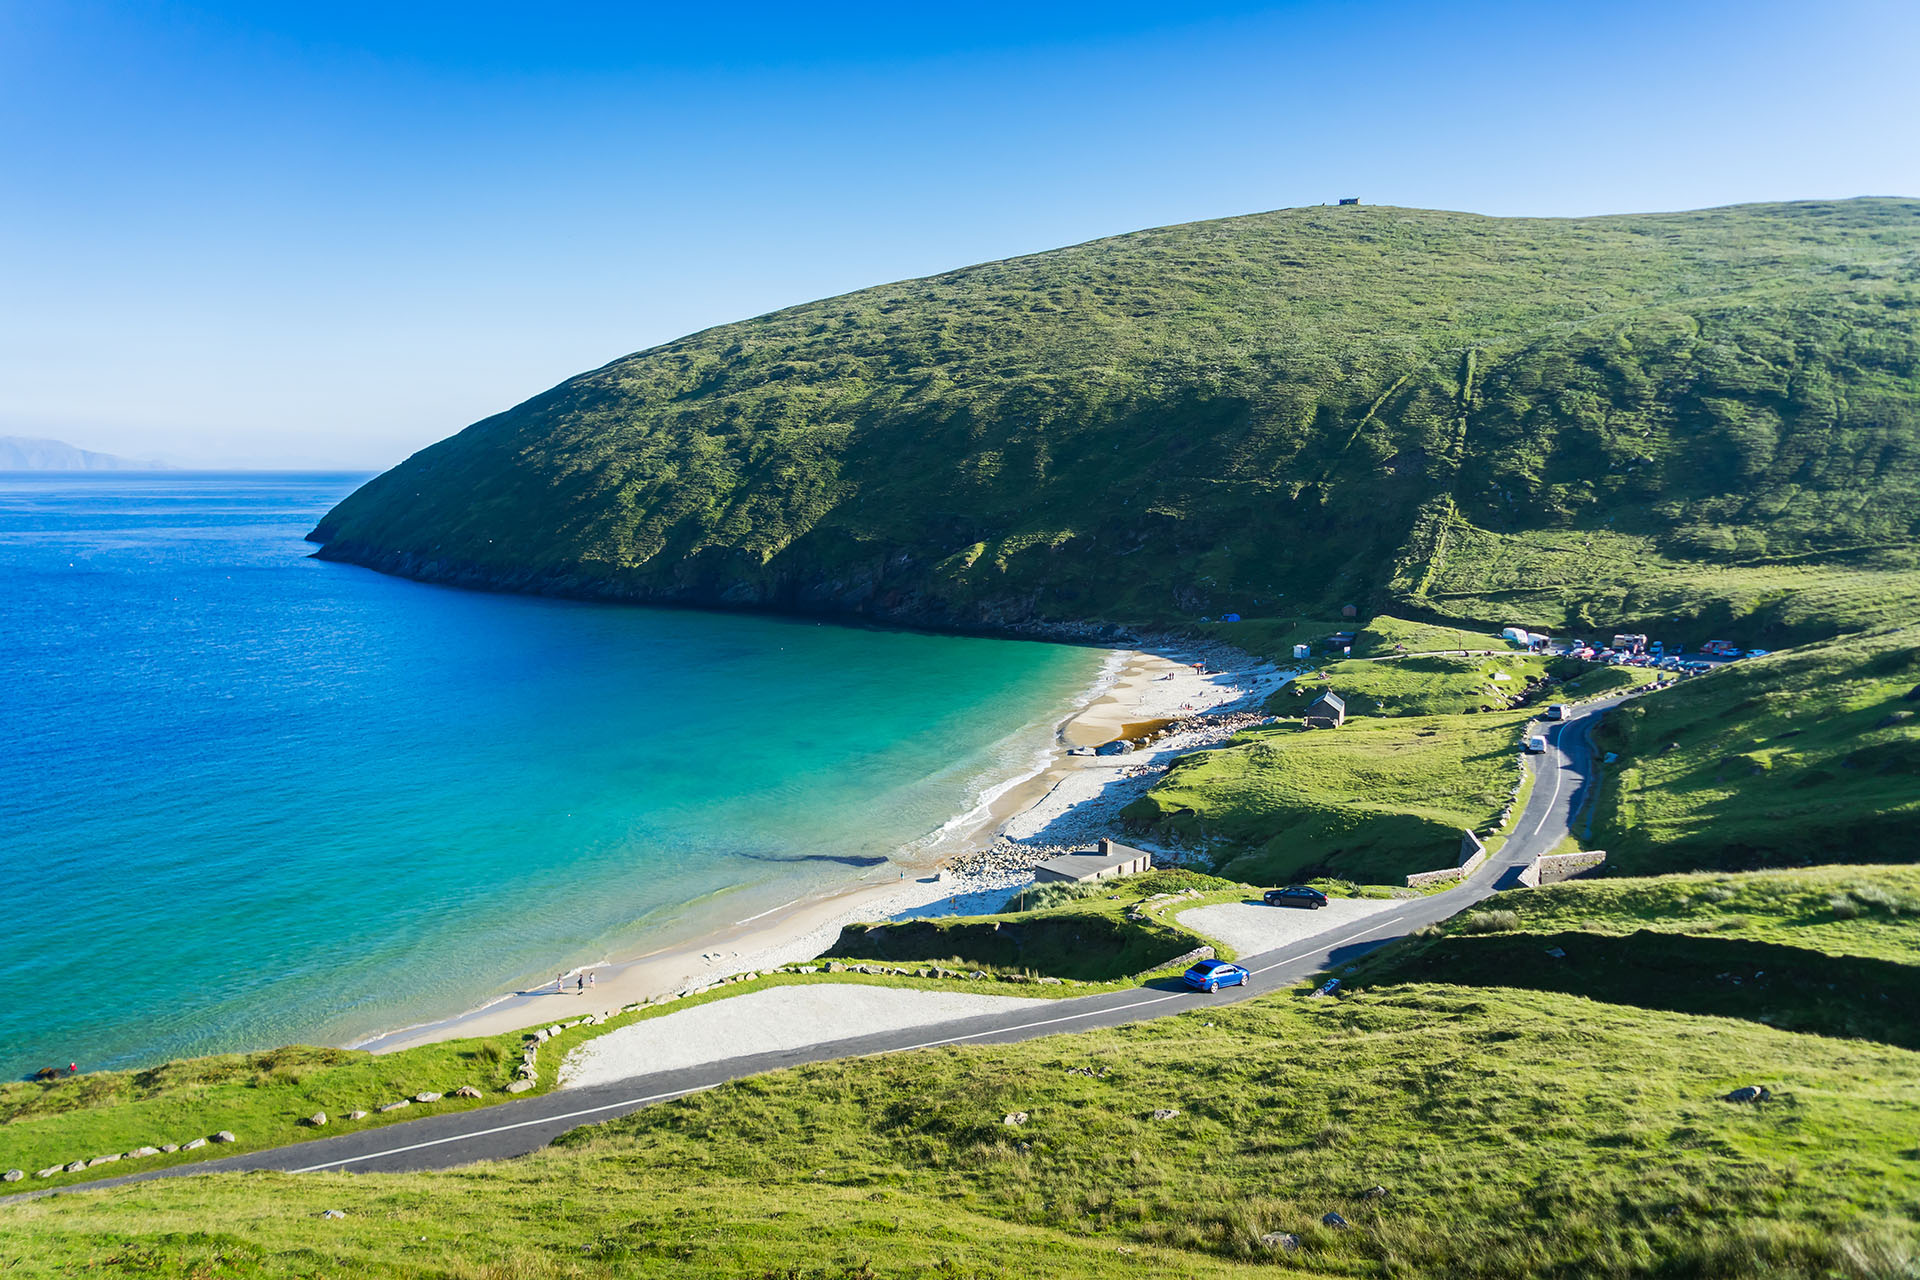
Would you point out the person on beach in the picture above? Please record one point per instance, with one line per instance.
(560, 984)
(580, 984)
(590, 977)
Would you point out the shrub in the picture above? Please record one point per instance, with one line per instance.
(1492, 922)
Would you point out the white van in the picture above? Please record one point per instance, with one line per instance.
(1558, 711)
(1537, 745)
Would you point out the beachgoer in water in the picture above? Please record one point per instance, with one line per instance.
(72, 1067)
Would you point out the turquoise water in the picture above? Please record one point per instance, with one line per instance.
(247, 797)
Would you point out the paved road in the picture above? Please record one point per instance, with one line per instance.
(509, 1129)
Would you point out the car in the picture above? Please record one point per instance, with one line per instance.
(1295, 895)
(1558, 711)
(1211, 975)
(1536, 745)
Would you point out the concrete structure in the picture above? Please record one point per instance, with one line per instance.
(1303, 651)
(1104, 862)
(1328, 706)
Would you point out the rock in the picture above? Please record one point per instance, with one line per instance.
(1375, 1193)
(168, 1148)
(554, 1030)
(426, 1097)
(100, 1160)
(141, 1153)
(12, 1175)
(1750, 1093)
(195, 1145)
(76, 1166)
(392, 1106)
(356, 1115)
(1333, 1220)
(1281, 1240)
(1166, 1113)
(225, 1135)
(808, 968)
(520, 1086)
(1052, 981)
(317, 1120)
(47, 1173)
(1015, 1118)
(333, 1213)
(467, 1091)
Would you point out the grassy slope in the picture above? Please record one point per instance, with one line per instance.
(1371, 802)
(1807, 756)
(1309, 408)
(1420, 685)
(1514, 1133)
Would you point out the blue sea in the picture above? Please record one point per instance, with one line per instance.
(250, 798)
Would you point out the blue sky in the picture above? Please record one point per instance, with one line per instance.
(316, 235)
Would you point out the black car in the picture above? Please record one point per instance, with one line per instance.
(1296, 895)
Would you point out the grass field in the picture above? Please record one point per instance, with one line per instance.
(1419, 685)
(1512, 1133)
(1805, 756)
(1371, 802)
(1385, 635)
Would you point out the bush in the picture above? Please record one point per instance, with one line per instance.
(1492, 922)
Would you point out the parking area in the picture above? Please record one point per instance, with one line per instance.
(1251, 927)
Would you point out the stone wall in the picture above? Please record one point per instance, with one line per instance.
(1552, 868)
(1472, 854)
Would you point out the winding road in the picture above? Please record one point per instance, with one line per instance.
(1562, 778)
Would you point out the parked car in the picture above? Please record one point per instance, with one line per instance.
(1558, 711)
(1295, 895)
(1211, 975)
(1536, 745)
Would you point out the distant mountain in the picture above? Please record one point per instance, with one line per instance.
(1698, 422)
(25, 453)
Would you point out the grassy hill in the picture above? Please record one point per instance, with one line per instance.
(1807, 756)
(1511, 1133)
(1693, 422)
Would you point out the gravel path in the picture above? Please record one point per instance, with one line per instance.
(766, 1021)
(1251, 927)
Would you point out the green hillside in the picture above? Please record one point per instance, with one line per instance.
(1807, 756)
(1510, 1133)
(1698, 422)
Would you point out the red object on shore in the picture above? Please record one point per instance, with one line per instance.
(72, 1067)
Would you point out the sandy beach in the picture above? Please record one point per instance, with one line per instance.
(971, 866)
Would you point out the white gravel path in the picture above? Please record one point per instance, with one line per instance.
(1252, 927)
(765, 1021)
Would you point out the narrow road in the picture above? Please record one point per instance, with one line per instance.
(1562, 776)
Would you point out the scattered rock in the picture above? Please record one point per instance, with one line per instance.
(141, 1153)
(426, 1097)
(1375, 1193)
(76, 1166)
(318, 1120)
(1281, 1240)
(554, 1030)
(392, 1106)
(357, 1115)
(1750, 1093)
(333, 1213)
(467, 1091)
(195, 1145)
(1333, 1220)
(520, 1086)
(168, 1148)
(1166, 1113)
(47, 1173)
(100, 1160)
(12, 1175)
(1015, 1118)
(225, 1135)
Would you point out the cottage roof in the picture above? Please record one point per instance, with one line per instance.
(1331, 698)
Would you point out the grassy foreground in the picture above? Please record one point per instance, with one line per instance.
(1512, 1134)
(1806, 756)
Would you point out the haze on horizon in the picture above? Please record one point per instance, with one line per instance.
(247, 235)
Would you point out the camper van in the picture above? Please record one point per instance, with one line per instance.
(1558, 711)
(1537, 745)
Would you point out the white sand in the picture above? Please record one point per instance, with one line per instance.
(767, 1021)
(1252, 927)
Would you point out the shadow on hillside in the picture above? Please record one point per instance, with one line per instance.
(1788, 988)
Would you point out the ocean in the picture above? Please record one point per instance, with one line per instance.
(250, 798)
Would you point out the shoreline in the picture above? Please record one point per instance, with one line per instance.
(969, 865)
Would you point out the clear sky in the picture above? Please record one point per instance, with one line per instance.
(270, 234)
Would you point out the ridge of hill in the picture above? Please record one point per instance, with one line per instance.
(29, 453)
(1693, 422)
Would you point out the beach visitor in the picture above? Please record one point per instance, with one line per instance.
(590, 977)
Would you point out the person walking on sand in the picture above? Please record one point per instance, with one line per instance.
(590, 978)
(560, 984)
(580, 984)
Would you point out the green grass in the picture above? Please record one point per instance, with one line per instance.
(1098, 932)
(1806, 756)
(1386, 635)
(1419, 685)
(1514, 1133)
(1372, 802)
(1689, 422)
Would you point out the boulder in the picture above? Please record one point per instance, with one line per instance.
(225, 1135)
(426, 1096)
(555, 1030)
(1375, 1193)
(168, 1148)
(195, 1145)
(1750, 1093)
(520, 1086)
(47, 1173)
(356, 1114)
(467, 1091)
(318, 1120)
(1014, 1118)
(333, 1213)
(1281, 1240)
(1166, 1113)
(141, 1153)
(76, 1166)
(1333, 1220)
(392, 1106)
(12, 1175)
(100, 1160)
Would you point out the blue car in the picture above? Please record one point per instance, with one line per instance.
(1211, 975)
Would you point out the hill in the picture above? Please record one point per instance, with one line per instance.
(25, 453)
(1806, 756)
(1687, 422)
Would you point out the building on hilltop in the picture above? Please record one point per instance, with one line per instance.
(1329, 710)
(1350, 611)
(1108, 859)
